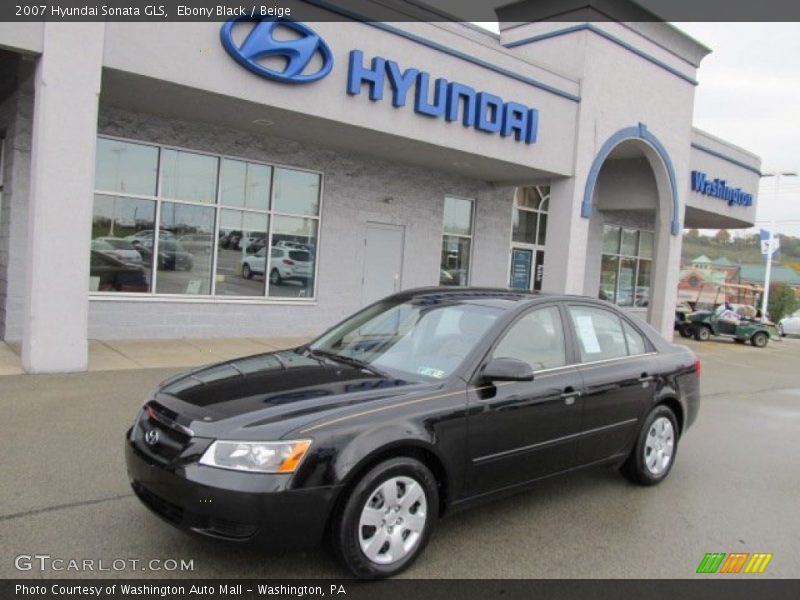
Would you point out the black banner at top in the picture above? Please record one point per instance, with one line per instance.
(509, 11)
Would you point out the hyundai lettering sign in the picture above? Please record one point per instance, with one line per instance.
(429, 97)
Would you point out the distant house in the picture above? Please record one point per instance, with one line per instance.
(749, 273)
(702, 262)
(723, 262)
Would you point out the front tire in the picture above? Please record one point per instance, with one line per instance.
(759, 339)
(387, 519)
(781, 332)
(247, 272)
(685, 330)
(653, 455)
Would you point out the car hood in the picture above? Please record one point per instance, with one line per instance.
(272, 394)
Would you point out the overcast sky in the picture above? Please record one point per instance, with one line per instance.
(749, 94)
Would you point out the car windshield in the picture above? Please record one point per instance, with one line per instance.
(421, 338)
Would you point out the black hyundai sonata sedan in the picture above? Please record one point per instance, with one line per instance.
(421, 404)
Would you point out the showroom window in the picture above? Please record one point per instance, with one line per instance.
(173, 222)
(626, 266)
(456, 241)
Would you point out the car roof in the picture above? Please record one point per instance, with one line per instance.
(503, 298)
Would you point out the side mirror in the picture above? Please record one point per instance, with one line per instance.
(507, 369)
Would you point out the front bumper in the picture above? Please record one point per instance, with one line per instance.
(219, 503)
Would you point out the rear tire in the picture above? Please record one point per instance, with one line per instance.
(702, 333)
(781, 332)
(656, 445)
(375, 533)
(685, 330)
(275, 277)
(759, 339)
(247, 272)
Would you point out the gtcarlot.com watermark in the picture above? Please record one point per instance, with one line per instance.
(46, 562)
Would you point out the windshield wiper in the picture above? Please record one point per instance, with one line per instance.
(349, 360)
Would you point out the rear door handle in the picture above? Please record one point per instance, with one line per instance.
(645, 378)
(569, 396)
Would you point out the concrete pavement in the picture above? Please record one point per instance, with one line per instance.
(115, 355)
(734, 487)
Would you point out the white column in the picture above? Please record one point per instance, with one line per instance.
(567, 239)
(67, 85)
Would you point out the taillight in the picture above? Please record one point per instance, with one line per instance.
(698, 367)
(286, 261)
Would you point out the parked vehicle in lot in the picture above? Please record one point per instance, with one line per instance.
(255, 242)
(197, 242)
(122, 250)
(230, 239)
(421, 404)
(789, 325)
(115, 275)
(725, 321)
(284, 264)
(291, 245)
(147, 235)
(172, 256)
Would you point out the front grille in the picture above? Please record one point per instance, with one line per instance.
(172, 438)
(171, 512)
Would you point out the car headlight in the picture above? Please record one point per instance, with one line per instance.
(257, 457)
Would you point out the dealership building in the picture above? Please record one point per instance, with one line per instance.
(251, 178)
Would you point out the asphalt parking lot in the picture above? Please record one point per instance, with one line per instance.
(735, 487)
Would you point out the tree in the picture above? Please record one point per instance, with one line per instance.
(782, 301)
(692, 234)
(723, 236)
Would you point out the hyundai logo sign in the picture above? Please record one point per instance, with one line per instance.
(260, 43)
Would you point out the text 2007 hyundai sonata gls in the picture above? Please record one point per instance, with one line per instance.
(427, 401)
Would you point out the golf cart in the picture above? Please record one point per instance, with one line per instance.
(712, 314)
(728, 320)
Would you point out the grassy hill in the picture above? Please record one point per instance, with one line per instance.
(740, 250)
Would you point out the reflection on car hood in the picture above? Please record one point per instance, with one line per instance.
(281, 387)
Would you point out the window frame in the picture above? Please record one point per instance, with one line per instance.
(619, 256)
(470, 237)
(218, 207)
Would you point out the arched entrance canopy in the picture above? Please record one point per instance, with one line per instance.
(639, 132)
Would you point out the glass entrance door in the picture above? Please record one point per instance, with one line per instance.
(529, 230)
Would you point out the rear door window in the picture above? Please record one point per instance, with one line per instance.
(599, 332)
